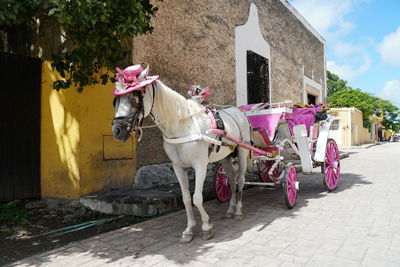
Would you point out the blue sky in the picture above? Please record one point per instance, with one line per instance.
(363, 41)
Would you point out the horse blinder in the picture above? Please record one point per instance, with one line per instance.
(132, 120)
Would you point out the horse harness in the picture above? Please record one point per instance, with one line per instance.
(218, 124)
(133, 119)
(133, 122)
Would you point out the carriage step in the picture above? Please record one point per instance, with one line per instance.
(260, 183)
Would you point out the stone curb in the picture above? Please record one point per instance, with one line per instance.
(144, 202)
(363, 146)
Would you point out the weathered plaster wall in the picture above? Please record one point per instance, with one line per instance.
(78, 152)
(360, 134)
(342, 135)
(193, 43)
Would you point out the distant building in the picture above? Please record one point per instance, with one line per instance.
(347, 128)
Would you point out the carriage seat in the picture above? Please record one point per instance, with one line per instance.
(305, 116)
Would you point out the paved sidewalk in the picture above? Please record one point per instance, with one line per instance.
(357, 225)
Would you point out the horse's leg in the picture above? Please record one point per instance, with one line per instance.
(232, 175)
(201, 170)
(182, 176)
(242, 157)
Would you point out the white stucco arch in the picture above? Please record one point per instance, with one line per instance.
(249, 37)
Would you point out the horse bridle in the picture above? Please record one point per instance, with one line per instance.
(132, 120)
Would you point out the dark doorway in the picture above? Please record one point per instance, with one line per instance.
(257, 78)
(311, 99)
(20, 127)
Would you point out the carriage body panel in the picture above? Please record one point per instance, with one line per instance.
(284, 137)
(275, 127)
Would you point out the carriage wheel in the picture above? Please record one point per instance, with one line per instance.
(263, 169)
(290, 186)
(331, 165)
(221, 185)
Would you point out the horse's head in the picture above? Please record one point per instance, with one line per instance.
(134, 98)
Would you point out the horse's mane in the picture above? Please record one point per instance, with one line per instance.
(174, 110)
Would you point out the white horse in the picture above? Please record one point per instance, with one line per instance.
(184, 124)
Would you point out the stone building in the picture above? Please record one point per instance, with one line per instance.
(247, 51)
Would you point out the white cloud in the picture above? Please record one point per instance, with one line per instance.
(327, 17)
(344, 50)
(347, 72)
(389, 48)
(391, 91)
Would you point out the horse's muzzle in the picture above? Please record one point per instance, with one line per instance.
(120, 133)
(123, 126)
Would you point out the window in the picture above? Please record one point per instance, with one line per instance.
(257, 78)
(311, 99)
(335, 125)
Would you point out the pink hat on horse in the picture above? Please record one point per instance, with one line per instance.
(132, 78)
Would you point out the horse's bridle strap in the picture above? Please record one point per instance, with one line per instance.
(126, 121)
(192, 138)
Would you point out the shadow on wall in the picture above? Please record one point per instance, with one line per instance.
(78, 153)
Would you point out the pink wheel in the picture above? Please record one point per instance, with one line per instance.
(290, 186)
(221, 185)
(331, 165)
(263, 169)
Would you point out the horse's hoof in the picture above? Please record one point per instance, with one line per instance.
(238, 217)
(228, 215)
(208, 234)
(186, 238)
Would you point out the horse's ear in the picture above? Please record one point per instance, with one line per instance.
(143, 75)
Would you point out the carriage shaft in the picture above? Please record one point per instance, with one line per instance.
(240, 143)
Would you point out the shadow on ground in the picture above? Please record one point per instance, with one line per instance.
(351, 152)
(157, 239)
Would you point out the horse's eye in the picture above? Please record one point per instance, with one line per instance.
(114, 102)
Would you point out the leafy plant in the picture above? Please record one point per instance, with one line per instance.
(13, 213)
(6, 233)
(95, 33)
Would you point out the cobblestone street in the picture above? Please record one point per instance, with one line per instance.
(356, 225)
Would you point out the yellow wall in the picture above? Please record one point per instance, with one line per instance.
(75, 132)
(351, 126)
(344, 129)
(363, 134)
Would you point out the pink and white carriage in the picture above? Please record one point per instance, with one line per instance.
(195, 135)
(283, 138)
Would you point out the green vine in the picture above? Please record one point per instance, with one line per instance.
(95, 33)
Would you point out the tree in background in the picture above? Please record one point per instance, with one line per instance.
(340, 95)
(95, 33)
(334, 83)
(390, 114)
